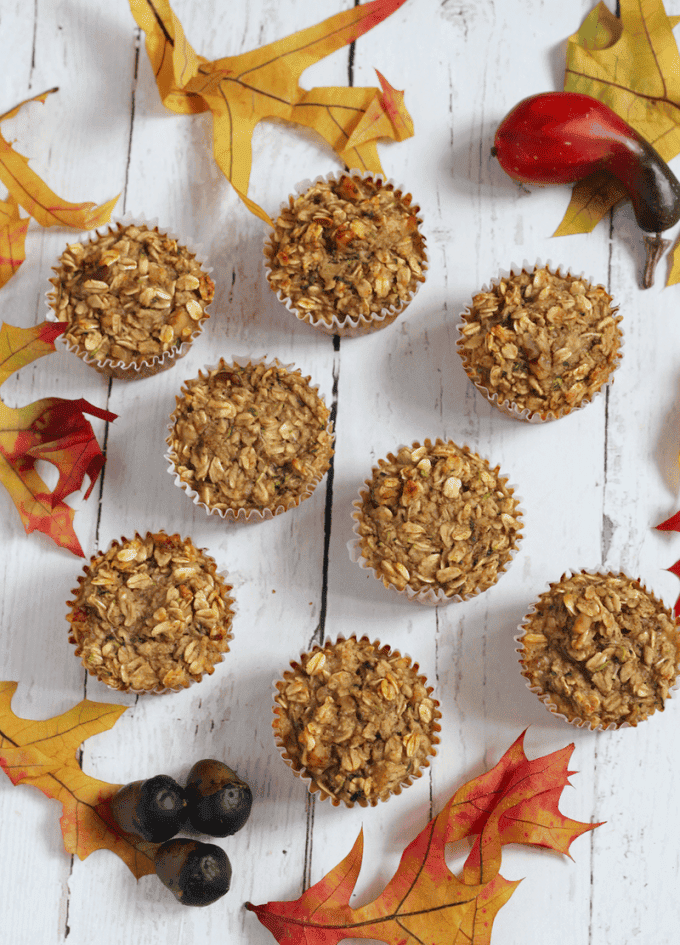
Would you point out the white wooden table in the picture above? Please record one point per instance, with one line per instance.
(592, 485)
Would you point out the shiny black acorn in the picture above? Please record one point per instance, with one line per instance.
(218, 801)
(196, 873)
(154, 809)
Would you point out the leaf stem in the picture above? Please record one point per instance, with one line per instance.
(655, 247)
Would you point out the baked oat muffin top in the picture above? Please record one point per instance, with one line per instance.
(542, 341)
(601, 648)
(151, 614)
(437, 517)
(347, 248)
(253, 437)
(130, 295)
(357, 719)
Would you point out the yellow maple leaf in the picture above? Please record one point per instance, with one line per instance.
(43, 754)
(242, 90)
(633, 66)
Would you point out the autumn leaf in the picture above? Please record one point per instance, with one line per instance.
(28, 190)
(633, 66)
(33, 194)
(242, 90)
(515, 802)
(52, 429)
(44, 753)
(12, 238)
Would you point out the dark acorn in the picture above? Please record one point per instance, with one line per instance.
(218, 801)
(196, 873)
(153, 810)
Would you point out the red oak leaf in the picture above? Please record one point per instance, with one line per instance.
(515, 802)
(43, 754)
(52, 429)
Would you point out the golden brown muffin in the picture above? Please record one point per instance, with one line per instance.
(600, 650)
(357, 720)
(253, 438)
(133, 298)
(539, 344)
(151, 614)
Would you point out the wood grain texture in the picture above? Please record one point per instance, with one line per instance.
(592, 485)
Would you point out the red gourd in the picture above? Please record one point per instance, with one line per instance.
(562, 137)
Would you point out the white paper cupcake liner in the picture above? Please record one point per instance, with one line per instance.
(301, 772)
(157, 690)
(545, 697)
(363, 324)
(505, 405)
(427, 597)
(243, 515)
(122, 370)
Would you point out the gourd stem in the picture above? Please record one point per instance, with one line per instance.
(655, 247)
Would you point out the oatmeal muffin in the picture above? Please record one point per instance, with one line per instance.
(347, 255)
(151, 614)
(436, 522)
(539, 344)
(600, 650)
(133, 298)
(249, 439)
(356, 720)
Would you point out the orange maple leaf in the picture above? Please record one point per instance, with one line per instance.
(43, 754)
(242, 90)
(52, 429)
(515, 802)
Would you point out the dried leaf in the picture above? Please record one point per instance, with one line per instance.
(44, 753)
(242, 90)
(12, 238)
(632, 64)
(35, 196)
(52, 429)
(515, 802)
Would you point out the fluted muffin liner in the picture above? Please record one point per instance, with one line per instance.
(347, 327)
(428, 713)
(252, 514)
(501, 401)
(579, 720)
(143, 367)
(96, 658)
(429, 597)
